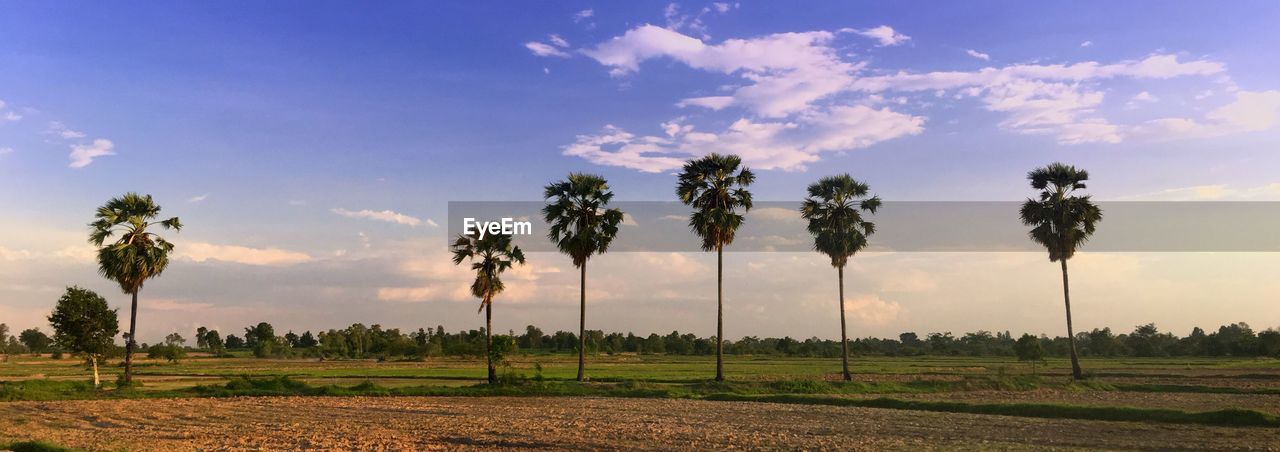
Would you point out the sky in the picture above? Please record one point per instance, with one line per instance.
(311, 149)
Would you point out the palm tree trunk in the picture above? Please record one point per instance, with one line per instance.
(1071, 335)
(582, 325)
(488, 339)
(132, 343)
(97, 383)
(720, 313)
(844, 339)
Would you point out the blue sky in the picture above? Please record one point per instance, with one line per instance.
(324, 138)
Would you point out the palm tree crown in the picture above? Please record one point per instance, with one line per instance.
(580, 224)
(1060, 220)
(712, 188)
(489, 257)
(834, 208)
(136, 254)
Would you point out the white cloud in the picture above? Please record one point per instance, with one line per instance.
(1251, 111)
(558, 41)
(201, 252)
(1051, 99)
(199, 198)
(583, 15)
(6, 150)
(884, 34)
(1212, 192)
(788, 145)
(978, 55)
(776, 214)
(1145, 97)
(381, 215)
(872, 310)
(721, 6)
(545, 50)
(800, 97)
(1086, 44)
(709, 102)
(169, 304)
(61, 130)
(1141, 98)
(83, 154)
(9, 115)
(408, 294)
(7, 254)
(786, 71)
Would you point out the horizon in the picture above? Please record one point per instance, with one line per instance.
(312, 155)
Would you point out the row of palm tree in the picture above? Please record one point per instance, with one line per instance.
(582, 225)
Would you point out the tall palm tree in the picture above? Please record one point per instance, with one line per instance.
(715, 186)
(581, 226)
(835, 208)
(489, 256)
(135, 256)
(1061, 221)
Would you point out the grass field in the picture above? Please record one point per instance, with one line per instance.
(1239, 395)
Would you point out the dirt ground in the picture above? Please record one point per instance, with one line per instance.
(400, 423)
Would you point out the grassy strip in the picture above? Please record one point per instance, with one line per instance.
(1232, 417)
(34, 446)
(1167, 388)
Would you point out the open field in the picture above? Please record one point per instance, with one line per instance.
(650, 401)
(408, 423)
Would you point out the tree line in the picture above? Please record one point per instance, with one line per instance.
(359, 341)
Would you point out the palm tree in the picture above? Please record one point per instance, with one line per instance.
(580, 227)
(135, 256)
(715, 187)
(1061, 222)
(489, 256)
(834, 208)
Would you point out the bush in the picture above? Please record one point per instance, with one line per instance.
(172, 353)
(121, 384)
(43, 390)
(34, 446)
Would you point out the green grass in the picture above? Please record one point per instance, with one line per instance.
(755, 378)
(34, 446)
(45, 390)
(1231, 417)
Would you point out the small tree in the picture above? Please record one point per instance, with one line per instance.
(175, 339)
(36, 341)
(1028, 349)
(213, 341)
(84, 324)
(4, 338)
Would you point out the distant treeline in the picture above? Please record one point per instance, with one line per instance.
(365, 342)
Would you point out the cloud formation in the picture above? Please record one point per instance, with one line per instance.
(883, 34)
(978, 55)
(545, 50)
(83, 154)
(201, 252)
(387, 216)
(799, 97)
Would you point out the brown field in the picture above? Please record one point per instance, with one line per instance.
(407, 423)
